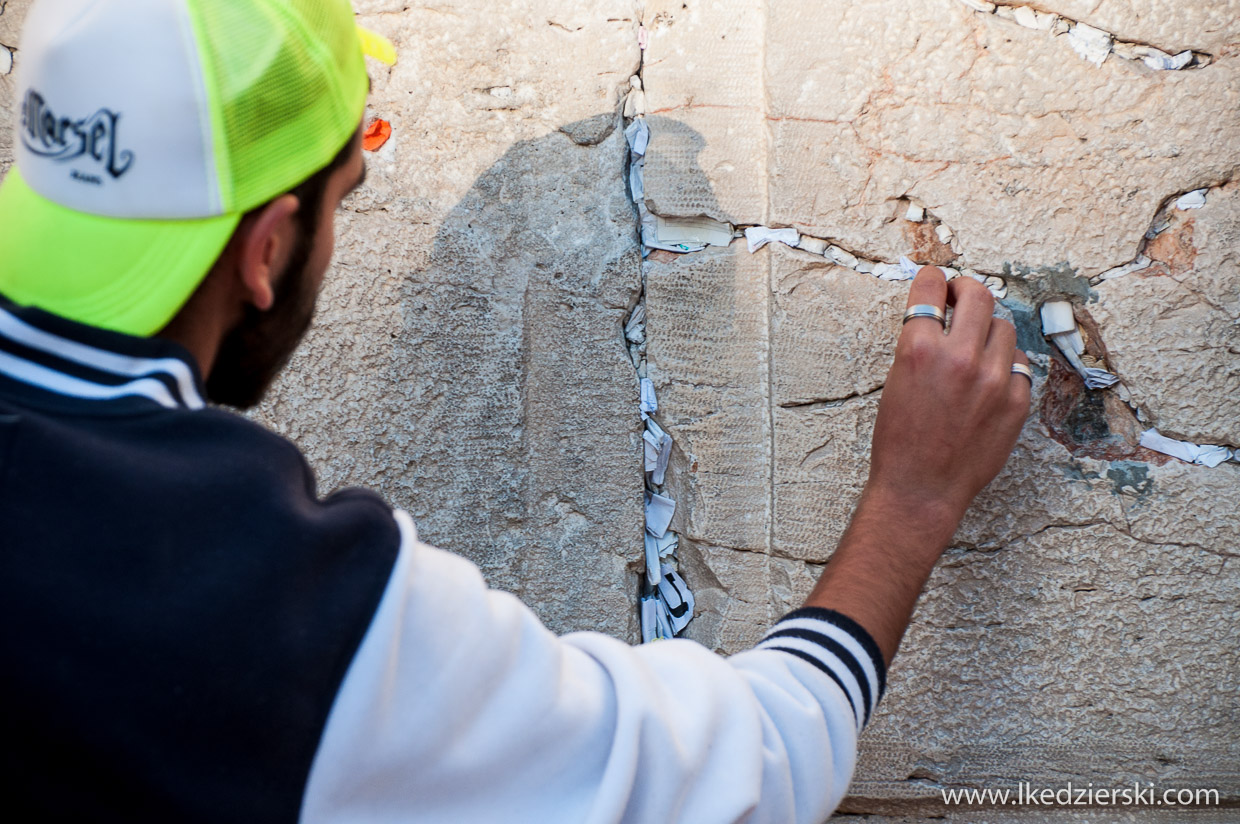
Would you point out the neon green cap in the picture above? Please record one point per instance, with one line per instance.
(148, 127)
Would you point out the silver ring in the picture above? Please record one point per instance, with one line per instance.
(925, 310)
(1022, 369)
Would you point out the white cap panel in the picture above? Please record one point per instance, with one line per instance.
(112, 111)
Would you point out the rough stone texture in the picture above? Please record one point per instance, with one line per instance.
(1172, 330)
(1080, 627)
(467, 360)
(824, 118)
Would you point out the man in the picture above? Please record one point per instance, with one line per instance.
(193, 635)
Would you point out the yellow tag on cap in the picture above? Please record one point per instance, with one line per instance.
(377, 46)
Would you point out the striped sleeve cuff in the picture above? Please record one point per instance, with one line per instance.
(841, 648)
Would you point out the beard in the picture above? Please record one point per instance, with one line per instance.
(260, 346)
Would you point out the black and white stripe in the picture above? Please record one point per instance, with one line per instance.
(71, 360)
(838, 646)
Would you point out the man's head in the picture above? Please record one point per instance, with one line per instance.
(259, 297)
(173, 150)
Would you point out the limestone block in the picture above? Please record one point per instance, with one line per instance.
(833, 330)
(702, 75)
(1061, 655)
(1032, 156)
(708, 351)
(822, 455)
(466, 360)
(1172, 330)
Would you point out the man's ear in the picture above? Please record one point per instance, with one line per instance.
(266, 243)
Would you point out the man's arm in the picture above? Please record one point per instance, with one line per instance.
(460, 706)
(949, 416)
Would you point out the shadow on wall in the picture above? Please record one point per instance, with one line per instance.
(524, 439)
(518, 432)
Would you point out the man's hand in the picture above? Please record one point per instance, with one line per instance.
(950, 413)
(952, 408)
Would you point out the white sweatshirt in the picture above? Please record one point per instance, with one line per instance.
(460, 706)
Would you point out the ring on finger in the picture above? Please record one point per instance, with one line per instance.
(1023, 369)
(925, 310)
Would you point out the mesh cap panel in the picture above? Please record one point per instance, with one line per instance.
(288, 88)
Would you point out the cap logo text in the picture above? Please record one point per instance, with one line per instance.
(63, 139)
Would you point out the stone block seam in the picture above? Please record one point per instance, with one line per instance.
(665, 605)
(1092, 44)
(686, 235)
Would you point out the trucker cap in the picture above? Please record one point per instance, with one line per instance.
(145, 129)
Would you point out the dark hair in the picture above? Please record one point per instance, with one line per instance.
(311, 191)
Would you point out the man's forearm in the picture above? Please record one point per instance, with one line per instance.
(882, 563)
(949, 416)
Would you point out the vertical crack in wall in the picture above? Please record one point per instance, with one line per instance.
(665, 603)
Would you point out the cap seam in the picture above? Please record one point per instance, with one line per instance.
(206, 119)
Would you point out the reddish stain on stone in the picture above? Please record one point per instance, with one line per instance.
(1174, 248)
(662, 256)
(1094, 424)
(926, 246)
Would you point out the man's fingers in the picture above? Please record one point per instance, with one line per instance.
(1021, 387)
(929, 289)
(972, 306)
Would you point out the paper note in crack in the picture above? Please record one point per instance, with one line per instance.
(758, 236)
(658, 450)
(1091, 44)
(652, 560)
(649, 403)
(656, 550)
(674, 592)
(637, 135)
(1142, 262)
(1193, 200)
(635, 329)
(691, 234)
(659, 511)
(1161, 61)
(656, 622)
(1186, 451)
(909, 268)
(1059, 324)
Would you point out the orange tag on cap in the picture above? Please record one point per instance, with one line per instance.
(376, 134)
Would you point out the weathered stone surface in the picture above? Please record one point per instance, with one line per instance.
(1061, 656)
(467, 358)
(1031, 155)
(1173, 330)
(707, 327)
(1052, 644)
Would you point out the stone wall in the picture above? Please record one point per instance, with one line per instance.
(469, 362)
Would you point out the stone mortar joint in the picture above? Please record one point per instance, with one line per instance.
(1077, 337)
(666, 603)
(1163, 220)
(1092, 44)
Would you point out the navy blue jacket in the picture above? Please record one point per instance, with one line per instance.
(179, 606)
